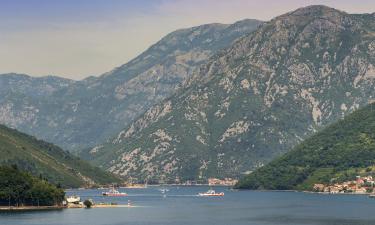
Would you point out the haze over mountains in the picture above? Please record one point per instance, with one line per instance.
(79, 114)
(209, 101)
(253, 101)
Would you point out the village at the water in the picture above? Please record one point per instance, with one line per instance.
(361, 185)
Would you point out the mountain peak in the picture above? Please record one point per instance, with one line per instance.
(302, 15)
(40, 105)
(252, 101)
(315, 10)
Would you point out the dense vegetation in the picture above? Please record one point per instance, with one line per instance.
(337, 153)
(19, 188)
(48, 161)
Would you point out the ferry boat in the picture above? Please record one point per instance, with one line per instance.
(114, 193)
(211, 193)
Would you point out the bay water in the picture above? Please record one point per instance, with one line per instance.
(181, 205)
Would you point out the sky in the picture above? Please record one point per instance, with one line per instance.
(80, 38)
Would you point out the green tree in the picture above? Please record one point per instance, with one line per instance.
(20, 188)
(87, 203)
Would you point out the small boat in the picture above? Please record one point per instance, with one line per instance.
(114, 193)
(210, 193)
(164, 190)
(372, 196)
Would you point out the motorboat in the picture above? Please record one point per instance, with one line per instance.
(114, 193)
(164, 190)
(211, 193)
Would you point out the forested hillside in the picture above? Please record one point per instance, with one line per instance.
(339, 152)
(48, 161)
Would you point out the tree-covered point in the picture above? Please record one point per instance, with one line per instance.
(337, 153)
(43, 159)
(18, 188)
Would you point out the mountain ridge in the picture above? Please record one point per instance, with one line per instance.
(252, 101)
(89, 111)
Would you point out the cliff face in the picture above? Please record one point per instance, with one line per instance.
(253, 101)
(78, 114)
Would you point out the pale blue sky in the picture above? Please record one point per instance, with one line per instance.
(79, 38)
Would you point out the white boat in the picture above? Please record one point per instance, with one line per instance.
(164, 190)
(211, 193)
(114, 193)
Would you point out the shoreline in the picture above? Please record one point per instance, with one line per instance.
(149, 185)
(50, 208)
(307, 192)
(29, 208)
(327, 193)
(112, 206)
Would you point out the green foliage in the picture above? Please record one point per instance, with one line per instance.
(47, 161)
(337, 153)
(87, 203)
(19, 188)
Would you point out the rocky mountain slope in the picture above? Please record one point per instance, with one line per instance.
(341, 151)
(48, 161)
(253, 101)
(78, 114)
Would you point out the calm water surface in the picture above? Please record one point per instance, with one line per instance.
(182, 206)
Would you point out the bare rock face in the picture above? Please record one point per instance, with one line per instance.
(253, 101)
(78, 114)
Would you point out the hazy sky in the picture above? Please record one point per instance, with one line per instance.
(79, 38)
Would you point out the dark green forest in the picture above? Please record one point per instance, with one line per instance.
(18, 188)
(337, 153)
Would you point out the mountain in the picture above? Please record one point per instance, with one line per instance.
(79, 114)
(26, 101)
(341, 151)
(48, 161)
(253, 101)
(13, 84)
